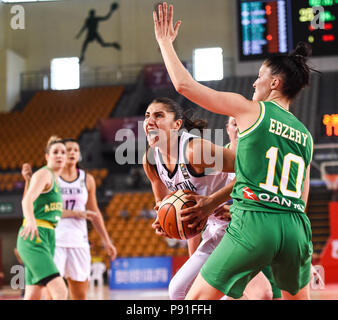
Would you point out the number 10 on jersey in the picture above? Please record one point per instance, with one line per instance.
(272, 155)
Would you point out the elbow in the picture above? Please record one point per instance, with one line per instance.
(179, 88)
(182, 88)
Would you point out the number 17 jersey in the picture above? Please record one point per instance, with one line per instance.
(72, 232)
(271, 162)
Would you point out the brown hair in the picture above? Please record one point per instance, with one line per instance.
(53, 140)
(177, 110)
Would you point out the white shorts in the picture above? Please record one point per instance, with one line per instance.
(183, 279)
(73, 263)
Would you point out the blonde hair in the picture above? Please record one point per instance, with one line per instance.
(52, 140)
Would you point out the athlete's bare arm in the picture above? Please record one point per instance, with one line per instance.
(97, 219)
(205, 205)
(41, 181)
(26, 173)
(159, 191)
(245, 111)
(203, 154)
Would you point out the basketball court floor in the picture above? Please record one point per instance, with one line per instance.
(330, 292)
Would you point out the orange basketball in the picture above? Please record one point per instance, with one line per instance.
(170, 218)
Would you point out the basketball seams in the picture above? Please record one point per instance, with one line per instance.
(170, 216)
(179, 224)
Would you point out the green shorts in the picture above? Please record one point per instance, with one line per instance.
(254, 240)
(38, 256)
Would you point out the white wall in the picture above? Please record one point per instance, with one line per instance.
(51, 28)
(2, 26)
(3, 75)
(15, 66)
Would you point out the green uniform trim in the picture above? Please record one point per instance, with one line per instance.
(38, 254)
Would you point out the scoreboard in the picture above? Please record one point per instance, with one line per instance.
(276, 26)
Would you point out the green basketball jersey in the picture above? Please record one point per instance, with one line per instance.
(48, 205)
(271, 162)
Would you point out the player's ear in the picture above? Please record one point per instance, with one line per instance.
(178, 124)
(275, 83)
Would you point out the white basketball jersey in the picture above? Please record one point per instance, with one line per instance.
(184, 178)
(71, 232)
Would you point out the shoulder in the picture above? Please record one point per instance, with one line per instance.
(42, 178)
(43, 173)
(149, 164)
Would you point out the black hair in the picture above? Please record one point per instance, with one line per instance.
(187, 123)
(293, 68)
(73, 140)
(177, 110)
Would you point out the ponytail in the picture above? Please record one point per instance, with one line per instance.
(293, 68)
(187, 121)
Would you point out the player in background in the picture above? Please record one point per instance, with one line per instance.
(72, 253)
(274, 151)
(42, 209)
(175, 161)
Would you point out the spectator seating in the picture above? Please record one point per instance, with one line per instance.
(66, 113)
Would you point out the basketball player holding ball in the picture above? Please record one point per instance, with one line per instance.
(274, 151)
(172, 162)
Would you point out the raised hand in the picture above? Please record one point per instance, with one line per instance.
(163, 23)
(26, 171)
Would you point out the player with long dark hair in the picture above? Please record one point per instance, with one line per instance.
(269, 225)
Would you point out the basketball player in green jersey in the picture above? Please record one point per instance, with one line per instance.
(231, 128)
(42, 209)
(274, 151)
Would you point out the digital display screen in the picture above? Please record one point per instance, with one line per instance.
(320, 30)
(330, 125)
(273, 27)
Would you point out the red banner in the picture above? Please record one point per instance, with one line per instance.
(109, 127)
(156, 76)
(329, 256)
(177, 263)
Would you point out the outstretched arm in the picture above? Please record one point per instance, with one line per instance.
(245, 111)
